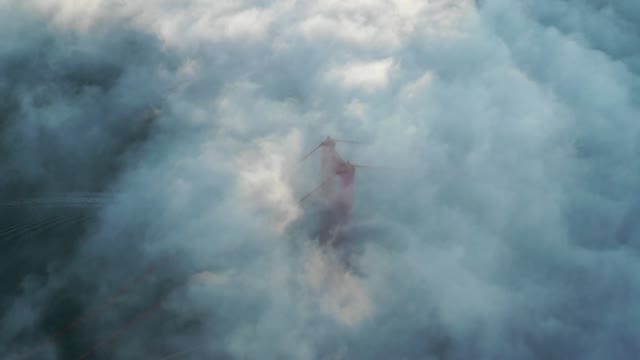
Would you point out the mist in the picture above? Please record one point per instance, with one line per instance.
(150, 179)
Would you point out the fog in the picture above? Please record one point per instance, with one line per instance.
(150, 179)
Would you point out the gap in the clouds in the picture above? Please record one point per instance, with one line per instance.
(76, 113)
(32, 238)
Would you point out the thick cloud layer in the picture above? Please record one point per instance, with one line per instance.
(149, 179)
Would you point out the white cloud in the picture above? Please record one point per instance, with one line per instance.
(264, 179)
(381, 24)
(356, 109)
(369, 76)
(340, 293)
(413, 88)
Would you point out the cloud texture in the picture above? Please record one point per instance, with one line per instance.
(149, 150)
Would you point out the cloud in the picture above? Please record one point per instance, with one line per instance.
(501, 227)
(264, 180)
(369, 76)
